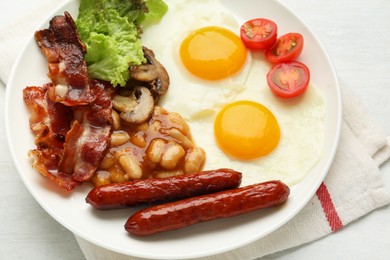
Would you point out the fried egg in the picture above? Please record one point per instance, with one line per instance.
(191, 91)
(228, 105)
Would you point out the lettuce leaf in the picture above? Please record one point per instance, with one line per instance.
(157, 9)
(111, 31)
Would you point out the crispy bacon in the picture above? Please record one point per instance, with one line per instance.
(88, 139)
(71, 115)
(50, 122)
(64, 51)
(71, 141)
(46, 113)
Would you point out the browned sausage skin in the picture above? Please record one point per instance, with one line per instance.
(120, 195)
(186, 212)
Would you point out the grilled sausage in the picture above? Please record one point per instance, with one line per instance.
(186, 212)
(120, 195)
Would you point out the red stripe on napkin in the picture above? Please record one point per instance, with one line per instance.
(328, 207)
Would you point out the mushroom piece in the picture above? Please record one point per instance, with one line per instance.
(136, 108)
(153, 73)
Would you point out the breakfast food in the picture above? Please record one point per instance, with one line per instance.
(70, 115)
(286, 48)
(110, 135)
(212, 53)
(64, 51)
(223, 204)
(259, 34)
(199, 100)
(73, 116)
(137, 142)
(160, 147)
(126, 194)
(288, 79)
(257, 136)
(111, 32)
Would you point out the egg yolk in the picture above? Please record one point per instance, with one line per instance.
(246, 130)
(213, 53)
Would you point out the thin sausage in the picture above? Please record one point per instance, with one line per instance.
(190, 211)
(120, 195)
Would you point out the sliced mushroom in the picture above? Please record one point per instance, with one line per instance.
(144, 72)
(136, 108)
(153, 73)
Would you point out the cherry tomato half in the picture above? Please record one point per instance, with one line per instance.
(289, 79)
(286, 48)
(259, 33)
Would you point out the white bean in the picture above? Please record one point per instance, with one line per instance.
(130, 165)
(107, 161)
(116, 120)
(138, 139)
(118, 138)
(194, 160)
(178, 121)
(155, 150)
(180, 138)
(172, 156)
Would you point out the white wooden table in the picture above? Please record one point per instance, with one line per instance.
(356, 34)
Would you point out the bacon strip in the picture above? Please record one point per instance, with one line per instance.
(71, 141)
(70, 116)
(64, 51)
(88, 139)
(50, 122)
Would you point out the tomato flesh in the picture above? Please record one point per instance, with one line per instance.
(289, 79)
(259, 34)
(286, 48)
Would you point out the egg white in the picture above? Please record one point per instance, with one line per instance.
(186, 90)
(301, 119)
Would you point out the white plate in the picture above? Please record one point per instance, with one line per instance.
(106, 228)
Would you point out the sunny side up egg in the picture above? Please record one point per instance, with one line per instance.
(228, 104)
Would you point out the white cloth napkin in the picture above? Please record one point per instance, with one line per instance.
(351, 189)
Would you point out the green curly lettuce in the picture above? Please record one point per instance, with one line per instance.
(111, 31)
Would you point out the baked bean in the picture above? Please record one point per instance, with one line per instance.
(156, 150)
(101, 178)
(116, 120)
(131, 166)
(138, 139)
(194, 160)
(181, 138)
(160, 147)
(108, 161)
(117, 174)
(179, 123)
(172, 155)
(118, 138)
